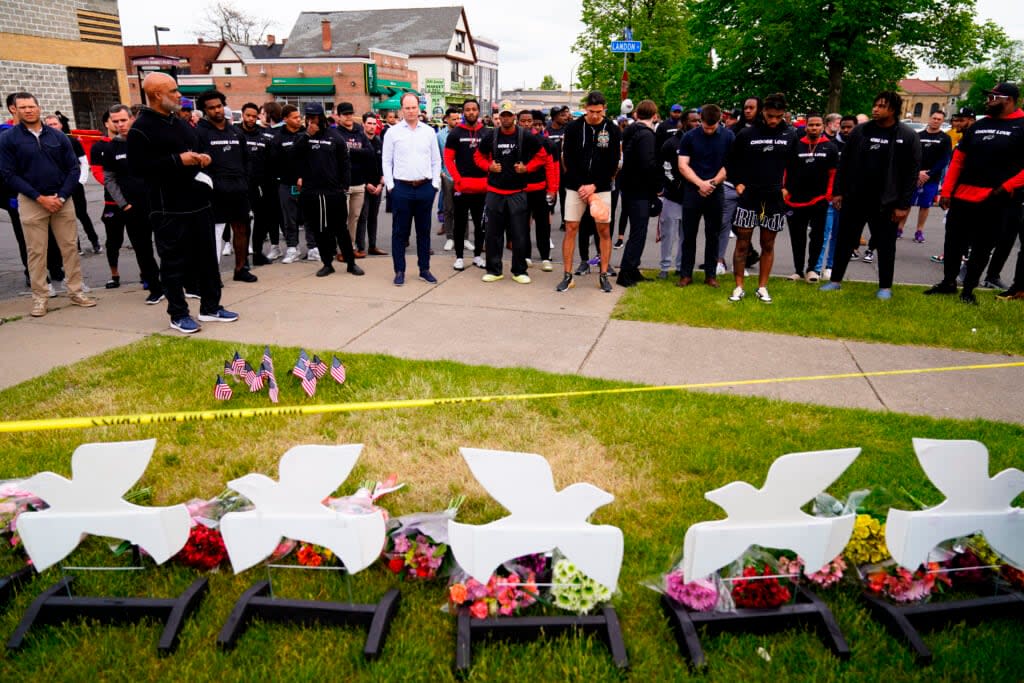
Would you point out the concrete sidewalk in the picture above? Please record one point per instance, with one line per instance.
(509, 325)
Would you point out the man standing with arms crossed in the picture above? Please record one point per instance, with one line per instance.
(412, 174)
(469, 182)
(38, 163)
(590, 159)
(161, 150)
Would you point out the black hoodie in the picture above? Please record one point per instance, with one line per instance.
(155, 143)
(879, 164)
(360, 153)
(259, 140)
(759, 156)
(322, 161)
(590, 154)
(641, 171)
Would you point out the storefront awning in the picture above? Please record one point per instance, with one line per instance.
(395, 102)
(301, 86)
(195, 89)
(387, 86)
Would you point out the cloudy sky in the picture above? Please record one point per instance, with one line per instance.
(534, 39)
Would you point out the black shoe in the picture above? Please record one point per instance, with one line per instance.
(967, 297)
(114, 282)
(325, 271)
(941, 288)
(96, 248)
(244, 275)
(625, 279)
(260, 260)
(1012, 293)
(583, 269)
(355, 269)
(611, 271)
(618, 244)
(565, 284)
(604, 284)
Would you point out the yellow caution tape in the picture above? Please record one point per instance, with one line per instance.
(273, 411)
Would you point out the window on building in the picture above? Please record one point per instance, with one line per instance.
(460, 41)
(455, 72)
(918, 109)
(934, 108)
(227, 71)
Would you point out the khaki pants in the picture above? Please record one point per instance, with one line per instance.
(36, 222)
(356, 195)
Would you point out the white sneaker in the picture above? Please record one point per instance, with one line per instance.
(469, 245)
(86, 288)
(227, 250)
(720, 269)
(449, 245)
(545, 265)
(826, 274)
(795, 277)
(313, 254)
(812, 276)
(459, 264)
(291, 255)
(479, 262)
(53, 290)
(763, 295)
(274, 253)
(551, 245)
(529, 263)
(737, 294)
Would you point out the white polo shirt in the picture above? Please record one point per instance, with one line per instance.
(411, 154)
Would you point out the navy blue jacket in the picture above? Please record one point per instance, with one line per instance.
(41, 166)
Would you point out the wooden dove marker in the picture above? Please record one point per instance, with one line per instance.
(771, 516)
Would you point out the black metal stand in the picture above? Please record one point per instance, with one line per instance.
(605, 625)
(808, 608)
(254, 603)
(13, 581)
(51, 609)
(905, 621)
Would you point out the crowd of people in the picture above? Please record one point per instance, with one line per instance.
(199, 186)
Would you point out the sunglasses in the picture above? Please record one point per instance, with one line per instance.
(993, 96)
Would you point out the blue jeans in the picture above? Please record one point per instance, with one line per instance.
(828, 251)
(408, 205)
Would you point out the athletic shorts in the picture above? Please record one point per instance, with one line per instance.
(575, 207)
(759, 211)
(924, 196)
(230, 207)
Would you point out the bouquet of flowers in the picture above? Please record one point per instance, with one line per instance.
(417, 544)
(900, 585)
(759, 580)
(574, 591)
(510, 590)
(205, 548)
(13, 501)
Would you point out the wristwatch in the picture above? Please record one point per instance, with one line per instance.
(61, 200)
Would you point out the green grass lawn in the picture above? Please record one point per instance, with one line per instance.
(657, 453)
(851, 313)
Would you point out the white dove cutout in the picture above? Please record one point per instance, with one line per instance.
(974, 502)
(91, 503)
(771, 516)
(542, 519)
(293, 508)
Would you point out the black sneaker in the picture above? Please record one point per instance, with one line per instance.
(584, 269)
(604, 284)
(1010, 294)
(96, 248)
(244, 275)
(855, 255)
(968, 297)
(325, 271)
(869, 256)
(154, 299)
(566, 283)
(354, 269)
(994, 283)
(618, 244)
(941, 288)
(260, 260)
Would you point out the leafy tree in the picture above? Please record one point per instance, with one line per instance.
(549, 83)
(659, 24)
(1006, 64)
(825, 53)
(223, 19)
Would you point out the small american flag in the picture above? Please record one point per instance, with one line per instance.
(253, 379)
(309, 383)
(237, 365)
(267, 360)
(272, 389)
(221, 390)
(227, 368)
(301, 365)
(337, 370)
(266, 370)
(318, 366)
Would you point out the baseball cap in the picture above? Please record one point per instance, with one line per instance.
(966, 111)
(506, 107)
(1006, 89)
(312, 108)
(186, 103)
(346, 108)
(677, 107)
(558, 109)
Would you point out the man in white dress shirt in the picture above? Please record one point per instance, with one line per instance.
(412, 173)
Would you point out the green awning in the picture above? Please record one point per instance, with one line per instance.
(301, 86)
(395, 102)
(195, 89)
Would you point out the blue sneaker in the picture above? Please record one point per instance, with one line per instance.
(830, 287)
(399, 279)
(185, 325)
(222, 315)
(884, 294)
(428, 277)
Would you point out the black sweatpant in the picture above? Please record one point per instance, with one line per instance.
(507, 214)
(638, 211)
(883, 238)
(710, 209)
(467, 205)
(800, 218)
(266, 213)
(976, 225)
(537, 202)
(188, 254)
(327, 215)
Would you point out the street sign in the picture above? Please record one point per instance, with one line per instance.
(628, 46)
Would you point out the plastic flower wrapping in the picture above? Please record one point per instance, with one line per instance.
(574, 591)
(417, 544)
(508, 591)
(13, 501)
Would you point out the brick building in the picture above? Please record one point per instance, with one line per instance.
(923, 98)
(67, 53)
(190, 63)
